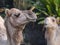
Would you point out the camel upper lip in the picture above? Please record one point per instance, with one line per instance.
(45, 24)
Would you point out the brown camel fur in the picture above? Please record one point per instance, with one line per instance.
(3, 33)
(15, 22)
(52, 34)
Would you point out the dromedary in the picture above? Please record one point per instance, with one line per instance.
(15, 22)
(52, 34)
(3, 33)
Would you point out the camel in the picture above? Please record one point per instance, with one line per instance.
(52, 33)
(15, 22)
(3, 33)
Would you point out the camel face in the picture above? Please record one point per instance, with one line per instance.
(15, 22)
(50, 22)
(31, 16)
(18, 17)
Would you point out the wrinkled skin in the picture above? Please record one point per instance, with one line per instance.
(15, 22)
(52, 33)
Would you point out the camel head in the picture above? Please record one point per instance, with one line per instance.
(50, 22)
(20, 17)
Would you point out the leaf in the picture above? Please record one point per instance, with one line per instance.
(41, 22)
(44, 12)
(56, 2)
(59, 12)
(49, 9)
(38, 14)
(41, 18)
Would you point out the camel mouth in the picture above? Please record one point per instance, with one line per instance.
(45, 24)
(32, 20)
(48, 25)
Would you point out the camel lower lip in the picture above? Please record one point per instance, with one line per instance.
(33, 20)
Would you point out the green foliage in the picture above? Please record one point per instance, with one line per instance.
(22, 4)
(46, 8)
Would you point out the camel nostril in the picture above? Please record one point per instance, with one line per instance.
(45, 24)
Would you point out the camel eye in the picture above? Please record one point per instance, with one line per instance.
(53, 20)
(30, 14)
(17, 15)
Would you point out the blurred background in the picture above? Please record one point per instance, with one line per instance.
(34, 33)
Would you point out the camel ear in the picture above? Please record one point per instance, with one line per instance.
(7, 12)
